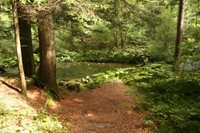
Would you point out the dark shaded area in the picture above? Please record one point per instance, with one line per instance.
(2, 70)
(175, 106)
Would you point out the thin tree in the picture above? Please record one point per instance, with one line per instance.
(18, 48)
(180, 24)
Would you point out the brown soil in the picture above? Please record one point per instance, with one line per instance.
(106, 109)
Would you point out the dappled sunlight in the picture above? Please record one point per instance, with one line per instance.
(10, 97)
(78, 100)
(99, 66)
(27, 114)
(36, 98)
(104, 109)
(39, 99)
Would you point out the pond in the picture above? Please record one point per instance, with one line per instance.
(69, 71)
(76, 70)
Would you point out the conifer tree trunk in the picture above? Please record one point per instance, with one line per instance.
(18, 48)
(26, 46)
(180, 24)
(47, 68)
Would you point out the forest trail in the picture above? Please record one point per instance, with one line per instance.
(106, 109)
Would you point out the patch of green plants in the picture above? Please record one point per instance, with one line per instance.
(14, 119)
(173, 101)
(174, 105)
(67, 56)
(46, 122)
(134, 55)
(140, 76)
(10, 62)
(97, 79)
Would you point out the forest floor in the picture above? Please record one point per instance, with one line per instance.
(106, 109)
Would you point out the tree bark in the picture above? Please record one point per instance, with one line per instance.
(18, 48)
(47, 68)
(26, 46)
(180, 24)
(115, 24)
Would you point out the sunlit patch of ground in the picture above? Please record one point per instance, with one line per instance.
(106, 109)
(26, 114)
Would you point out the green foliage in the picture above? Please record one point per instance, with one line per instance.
(7, 50)
(67, 56)
(6, 39)
(99, 25)
(97, 79)
(139, 76)
(48, 123)
(165, 36)
(10, 62)
(174, 105)
(6, 23)
(132, 55)
(172, 100)
(31, 1)
(27, 120)
(36, 59)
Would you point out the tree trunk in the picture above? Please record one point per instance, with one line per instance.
(26, 46)
(18, 48)
(47, 68)
(180, 23)
(115, 23)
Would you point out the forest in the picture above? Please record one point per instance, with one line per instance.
(100, 66)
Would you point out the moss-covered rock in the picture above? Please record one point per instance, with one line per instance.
(73, 86)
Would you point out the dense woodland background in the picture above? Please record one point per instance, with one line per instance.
(126, 27)
(160, 38)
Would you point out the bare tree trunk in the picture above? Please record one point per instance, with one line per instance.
(180, 23)
(47, 68)
(18, 48)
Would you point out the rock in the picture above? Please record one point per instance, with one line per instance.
(74, 86)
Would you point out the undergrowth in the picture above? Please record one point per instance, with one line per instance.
(173, 101)
(128, 55)
(27, 120)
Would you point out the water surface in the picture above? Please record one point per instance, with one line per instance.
(69, 71)
(76, 70)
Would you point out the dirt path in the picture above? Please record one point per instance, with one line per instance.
(103, 110)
